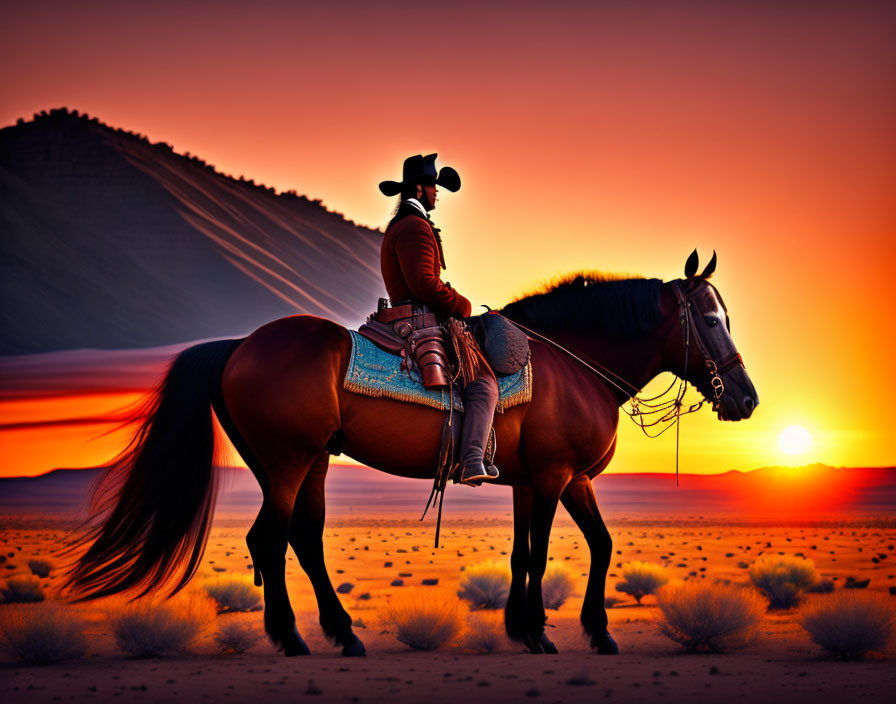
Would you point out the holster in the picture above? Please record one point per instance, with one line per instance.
(427, 346)
(413, 331)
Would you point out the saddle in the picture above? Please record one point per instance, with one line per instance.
(413, 332)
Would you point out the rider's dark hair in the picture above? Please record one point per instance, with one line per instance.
(408, 191)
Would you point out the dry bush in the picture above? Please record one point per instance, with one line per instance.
(236, 636)
(425, 619)
(155, 628)
(22, 589)
(40, 568)
(710, 617)
(486, 634)
(641, 579)
(234, 594)
(486, 585)
(557, 586)
(849, 624)
(783, 578)
(38, 634)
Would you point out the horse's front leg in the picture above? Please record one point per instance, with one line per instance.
(579, 500)
(544, 505)
(515, 613)
(306, 537)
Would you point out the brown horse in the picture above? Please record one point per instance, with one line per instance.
(279, 396)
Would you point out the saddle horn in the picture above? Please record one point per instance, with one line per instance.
(690, 266)
(710, 268)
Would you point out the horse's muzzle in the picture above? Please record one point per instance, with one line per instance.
(739, 399)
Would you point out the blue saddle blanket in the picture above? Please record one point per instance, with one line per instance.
(374, 372)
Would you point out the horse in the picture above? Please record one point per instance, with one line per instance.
(278, 395)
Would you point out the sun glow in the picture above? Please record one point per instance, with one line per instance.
(794, 440)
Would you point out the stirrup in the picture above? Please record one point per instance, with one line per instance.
(475, 474)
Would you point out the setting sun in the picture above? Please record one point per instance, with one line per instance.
(794, 440)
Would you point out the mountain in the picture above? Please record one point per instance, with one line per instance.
(782, 493)
(112, 241)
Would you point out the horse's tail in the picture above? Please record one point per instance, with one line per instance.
(154, 504)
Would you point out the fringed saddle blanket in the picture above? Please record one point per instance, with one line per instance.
(374, 372)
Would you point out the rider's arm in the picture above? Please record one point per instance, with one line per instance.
(418, 256)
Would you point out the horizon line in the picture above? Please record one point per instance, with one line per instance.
(720, 473)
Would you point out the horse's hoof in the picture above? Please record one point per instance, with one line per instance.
(293, 645)
(294, 649)
(546, 645)
(354, 649)
(533, 644)
(605, 645)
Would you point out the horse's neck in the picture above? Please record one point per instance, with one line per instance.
(634, 360)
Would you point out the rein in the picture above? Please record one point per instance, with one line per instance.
(671, 409)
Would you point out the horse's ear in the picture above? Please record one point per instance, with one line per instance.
(690, 266)
(711, 267)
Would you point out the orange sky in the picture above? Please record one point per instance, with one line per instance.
(616, 136)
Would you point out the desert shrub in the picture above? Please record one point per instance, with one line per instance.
(710, 617)
(425, 621)
(236, 636)
(611, 601)
(153, 628)
(234, 594)
(783, 578)
(486, 634)
(557, 586)
(22, 589)
(849, 624)
(40, 568)
(641, 579)
(42, 633)
(485, 586)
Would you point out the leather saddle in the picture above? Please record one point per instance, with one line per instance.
(413, 332)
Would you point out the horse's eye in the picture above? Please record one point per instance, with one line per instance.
(711, 322)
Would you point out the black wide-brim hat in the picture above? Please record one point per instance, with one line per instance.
(422, 170)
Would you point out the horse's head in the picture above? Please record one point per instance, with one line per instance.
(707, 353)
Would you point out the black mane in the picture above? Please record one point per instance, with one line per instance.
(592, 301)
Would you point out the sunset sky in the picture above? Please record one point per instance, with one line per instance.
(608, 135)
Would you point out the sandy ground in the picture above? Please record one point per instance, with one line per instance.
(782, 665)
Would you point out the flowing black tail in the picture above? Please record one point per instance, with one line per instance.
(156, 500)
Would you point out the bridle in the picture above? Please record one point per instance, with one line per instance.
(656, 409)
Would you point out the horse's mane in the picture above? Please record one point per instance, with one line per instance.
(610, 303)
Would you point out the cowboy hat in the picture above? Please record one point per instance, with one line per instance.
(419, 169)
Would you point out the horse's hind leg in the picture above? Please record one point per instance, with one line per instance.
(579, 500)
(267, 540)
(306, 537)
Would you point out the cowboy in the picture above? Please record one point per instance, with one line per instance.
(411, 259)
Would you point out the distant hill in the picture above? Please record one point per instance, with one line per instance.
(782, 493)
(112, 241)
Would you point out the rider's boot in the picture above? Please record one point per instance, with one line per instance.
(480, 399)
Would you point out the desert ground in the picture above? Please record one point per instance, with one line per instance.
(372, 552)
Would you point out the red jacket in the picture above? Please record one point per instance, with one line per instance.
(411, 266)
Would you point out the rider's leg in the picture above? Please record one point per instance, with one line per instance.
(480, 398)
